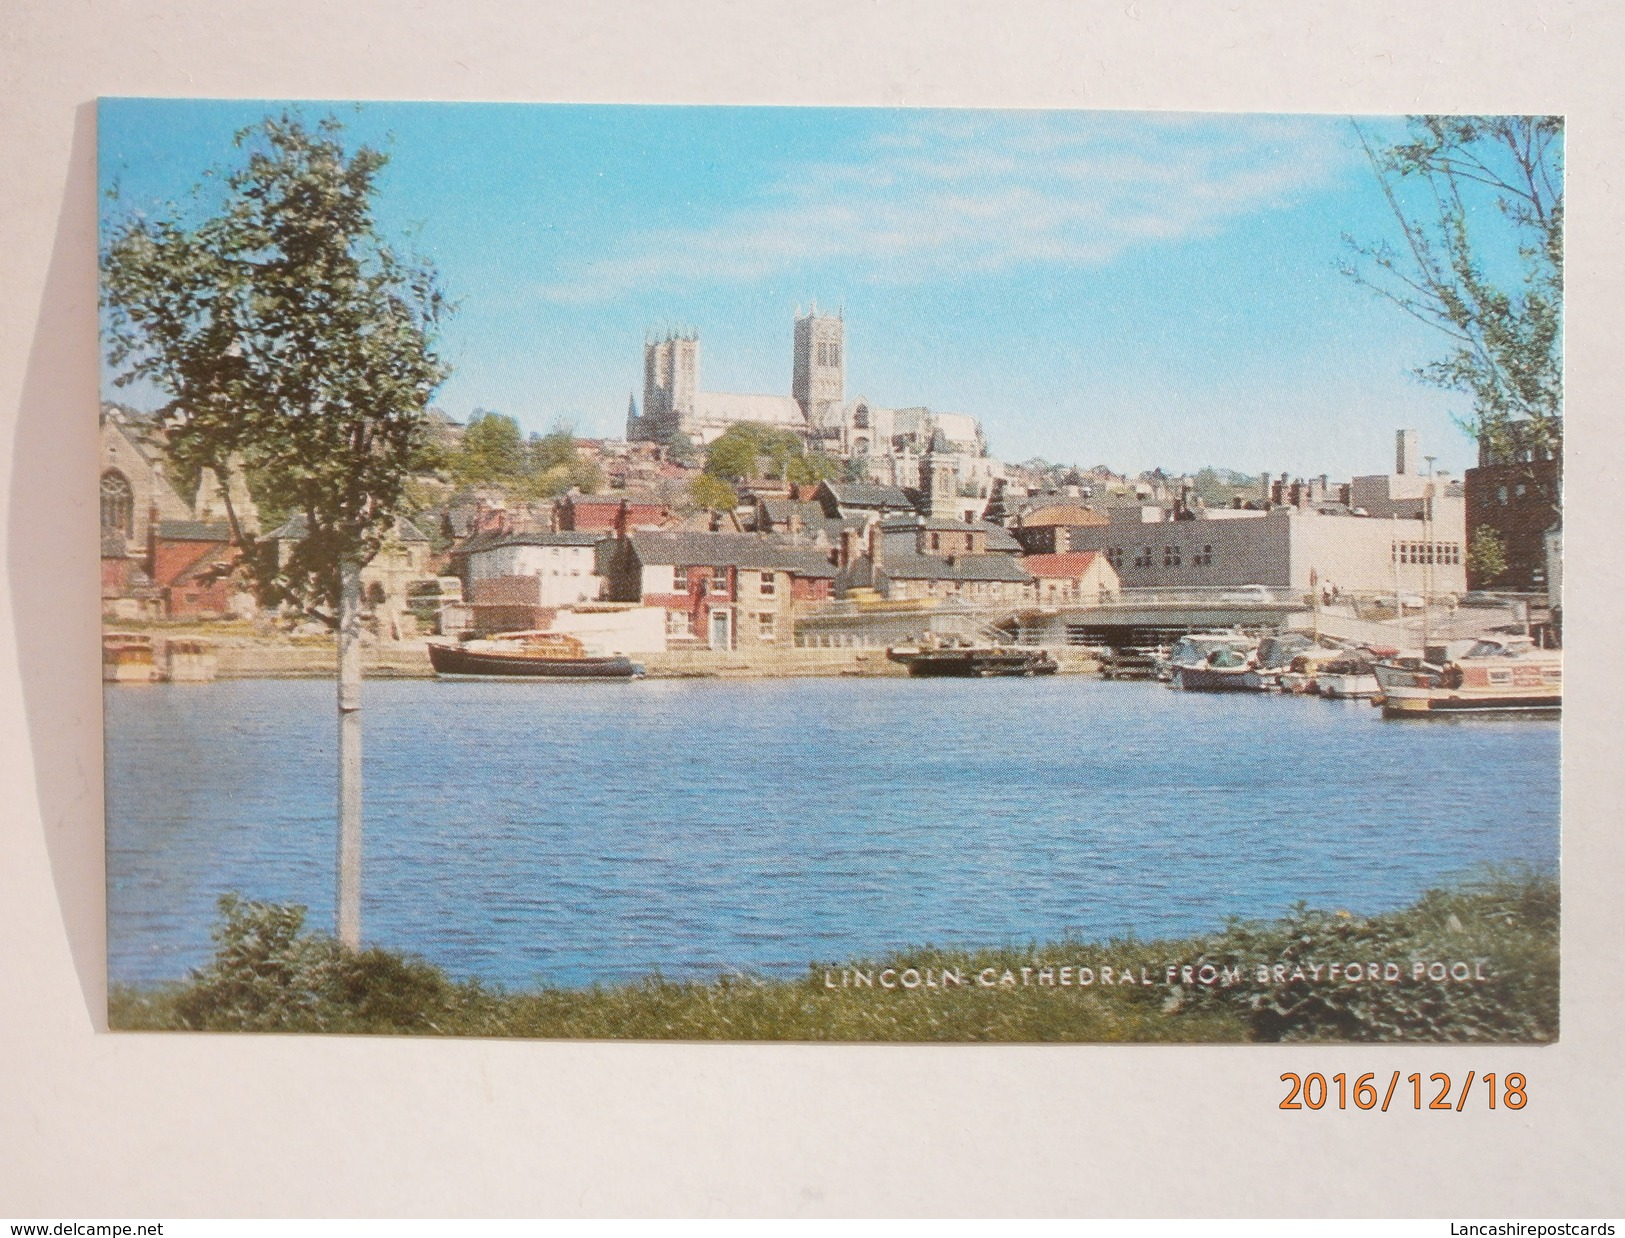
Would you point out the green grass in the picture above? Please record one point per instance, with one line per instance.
(268, 974)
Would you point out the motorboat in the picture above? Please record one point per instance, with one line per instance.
(1496, 675)
(528, 655)
(1226, 669)
(1197, 651)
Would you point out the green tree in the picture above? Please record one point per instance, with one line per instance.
(680, 449)
(288, 334)
(750, 449)
(1486, 557)
(492, 450)
(1479, 204)
(712, 493)
(812, 467)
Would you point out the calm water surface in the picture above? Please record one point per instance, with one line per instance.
(525, 832)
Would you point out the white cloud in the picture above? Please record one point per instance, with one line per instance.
(988, 192)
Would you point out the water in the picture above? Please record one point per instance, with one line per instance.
(524, 832)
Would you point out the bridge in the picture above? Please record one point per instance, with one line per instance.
(1133, 617)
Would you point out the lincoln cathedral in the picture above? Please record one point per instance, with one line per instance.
(885, 445)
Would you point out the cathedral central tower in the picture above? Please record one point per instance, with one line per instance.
(819, 373)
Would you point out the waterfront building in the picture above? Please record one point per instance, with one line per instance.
(914, 557)
(1401, 532)
(556, 569)
(722, 590)
(135, 488)
(1076, 579)
(162, 556)
(1515, 494)
(191, 565)
(404, 559)
(1046, 527)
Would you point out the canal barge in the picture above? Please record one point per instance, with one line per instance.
(1498, 675)
(974, 662)
(528, 655)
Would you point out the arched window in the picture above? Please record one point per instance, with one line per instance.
(860, 417)
(118, 505)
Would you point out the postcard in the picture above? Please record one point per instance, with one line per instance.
(814, 574)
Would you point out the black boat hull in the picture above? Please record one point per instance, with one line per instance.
(974, 663)
(451, 660)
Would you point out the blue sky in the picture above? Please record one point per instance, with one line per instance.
(1134, 289)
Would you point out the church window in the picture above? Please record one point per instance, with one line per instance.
(118, 504)
(860, 419)
(835, 354)
(860, 447)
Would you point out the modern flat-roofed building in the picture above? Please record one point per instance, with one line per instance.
(1280, 548)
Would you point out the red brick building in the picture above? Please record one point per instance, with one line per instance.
(1515, 493)
(722, 590)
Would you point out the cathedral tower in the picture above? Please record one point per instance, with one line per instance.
(819, 373)
(670, 376)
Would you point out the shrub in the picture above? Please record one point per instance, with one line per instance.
(269, 975)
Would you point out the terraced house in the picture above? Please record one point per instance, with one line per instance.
(722, 590)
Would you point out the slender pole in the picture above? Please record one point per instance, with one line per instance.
(349, 853)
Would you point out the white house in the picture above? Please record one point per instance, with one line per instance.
(563, 565)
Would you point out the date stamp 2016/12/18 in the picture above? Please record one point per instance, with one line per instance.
(1312, 1091)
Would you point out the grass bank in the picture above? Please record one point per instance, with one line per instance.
(1477, 962)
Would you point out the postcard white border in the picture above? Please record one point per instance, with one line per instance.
(154, 1126)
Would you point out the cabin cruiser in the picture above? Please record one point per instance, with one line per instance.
(1495, 674)
(1214, 662)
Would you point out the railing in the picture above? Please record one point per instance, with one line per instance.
(1208, 595)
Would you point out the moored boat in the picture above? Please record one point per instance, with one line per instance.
(1229, 665)
(529, 655)
(1497, 675)
(1195, 649)
(974, 662)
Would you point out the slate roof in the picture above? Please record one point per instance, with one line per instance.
(998, 538)
(958, 567)
(539, 539)
(746, 550)
(193, 531)
(295, 528)
(780, 510)
(862, 494)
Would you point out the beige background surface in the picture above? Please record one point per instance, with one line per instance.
(93, 1124)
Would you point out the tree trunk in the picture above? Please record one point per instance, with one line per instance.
(349, 850)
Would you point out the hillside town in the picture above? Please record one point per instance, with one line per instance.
(844, 514)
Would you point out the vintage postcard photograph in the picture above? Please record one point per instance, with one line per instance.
(812, 574)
